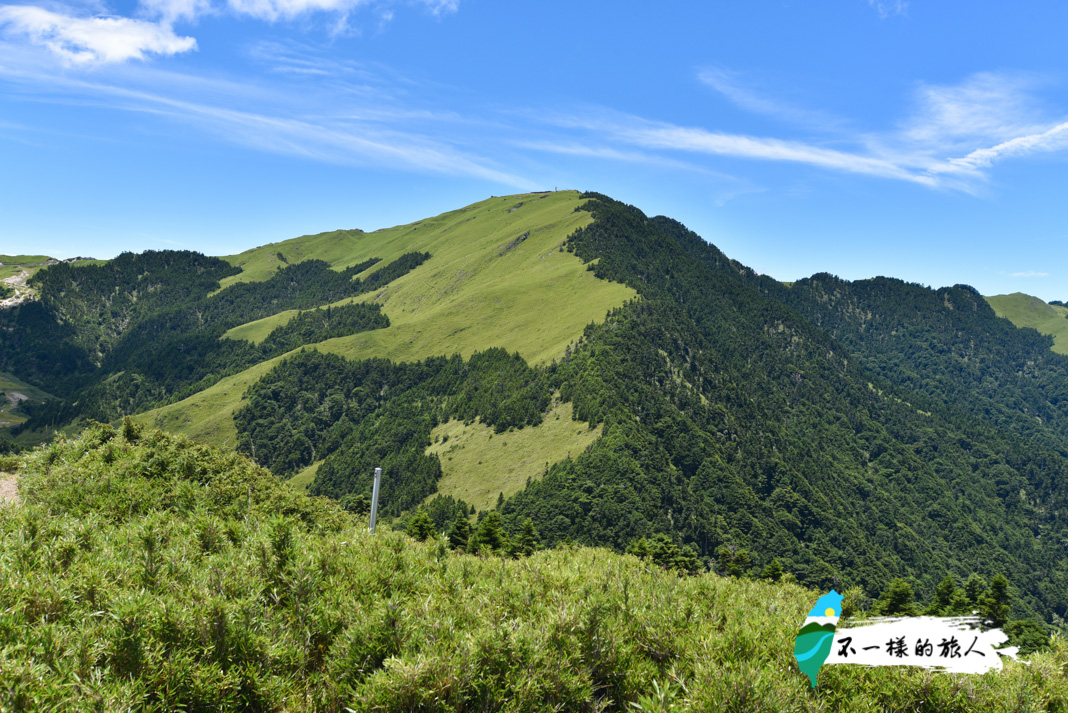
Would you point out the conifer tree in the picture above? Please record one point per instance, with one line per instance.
(358, 505)
(997, 602)
(460, 532)
(734, 563)
(896, 600)
(773, 571)
(527, 542)
(942, 603)
(974, 589)
(421, 526)
(490, 536)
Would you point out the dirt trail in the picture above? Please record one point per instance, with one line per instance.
(8, 491)
(22, 292)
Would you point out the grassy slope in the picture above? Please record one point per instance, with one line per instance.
(23, 259)
(9, 384)
(7, 271)
(208, 416)
(260, 263)
(1027, 311)
(479, 464)
(258, 330)
(471, 295)
(153, 572)
(304, 478)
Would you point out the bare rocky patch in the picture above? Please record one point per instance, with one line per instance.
(8, 488)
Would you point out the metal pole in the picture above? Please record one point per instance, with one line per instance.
(374, 499)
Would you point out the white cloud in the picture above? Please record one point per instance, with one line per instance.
(1030, 273)
(985, 107)
(93, 40)
(273, 10)
(989, 117)
(170, 11)
(441, 7)
(1053, 139)
(767, 149)
(585, 150)
(889, 8)
(105, 39)
(731, 86)
(952, 136)
(348, 136)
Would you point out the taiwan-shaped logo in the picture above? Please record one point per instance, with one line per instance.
(816, 638)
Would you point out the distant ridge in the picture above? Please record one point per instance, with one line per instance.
(1027, 311)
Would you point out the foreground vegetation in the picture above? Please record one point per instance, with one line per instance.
(146, 572)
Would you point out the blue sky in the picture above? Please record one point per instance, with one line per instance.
(922, 140)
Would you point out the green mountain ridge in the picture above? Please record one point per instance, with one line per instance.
(1027, 311)
(856, 432)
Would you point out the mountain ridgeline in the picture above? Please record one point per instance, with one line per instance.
(144, 329)
(856, 432)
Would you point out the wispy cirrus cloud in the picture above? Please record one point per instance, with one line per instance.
(768, 149)
(1029, 273)
(986, 106)
(1053, 139)
(586, 150)
(989, 117)
(889, 8)
(92, 40)
(275, 10)
(170, 11)
(950, 138)
(745, 95)
(662, 136)
(332, 128)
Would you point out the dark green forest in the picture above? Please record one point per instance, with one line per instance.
(948, 345)
(377, 413)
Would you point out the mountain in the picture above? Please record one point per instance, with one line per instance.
(946, 345)
(1027, 311)
(567, 359)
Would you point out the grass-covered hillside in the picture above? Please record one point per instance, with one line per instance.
(143, 571)
(1027, 311)
(11, 265)
(8, 260)
(497, 277)
(15, 397)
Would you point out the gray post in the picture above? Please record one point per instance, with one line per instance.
(374, 499)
